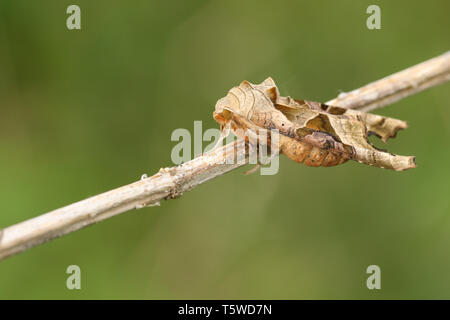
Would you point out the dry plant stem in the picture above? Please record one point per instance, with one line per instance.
(397, 86)
(170, 183)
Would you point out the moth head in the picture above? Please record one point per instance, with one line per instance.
(223, 112)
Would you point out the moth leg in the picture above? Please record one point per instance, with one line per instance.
(259, 164)
(223, 134)
(252, 170)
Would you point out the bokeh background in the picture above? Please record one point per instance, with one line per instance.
(82, 112)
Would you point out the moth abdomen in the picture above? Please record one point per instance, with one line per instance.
(310, 155)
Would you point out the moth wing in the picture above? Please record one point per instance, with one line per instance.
(247, 98)
(382, 127)
(353, 133)
(349, 127)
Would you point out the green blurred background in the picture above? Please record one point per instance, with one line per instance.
(85, 111)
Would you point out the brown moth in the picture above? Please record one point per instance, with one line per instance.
(312, 133)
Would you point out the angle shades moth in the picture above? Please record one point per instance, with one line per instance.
(311, 133)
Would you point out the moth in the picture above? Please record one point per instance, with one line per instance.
(311, 133)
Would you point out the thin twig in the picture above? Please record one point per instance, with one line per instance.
(172, 182)
(397, 86)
